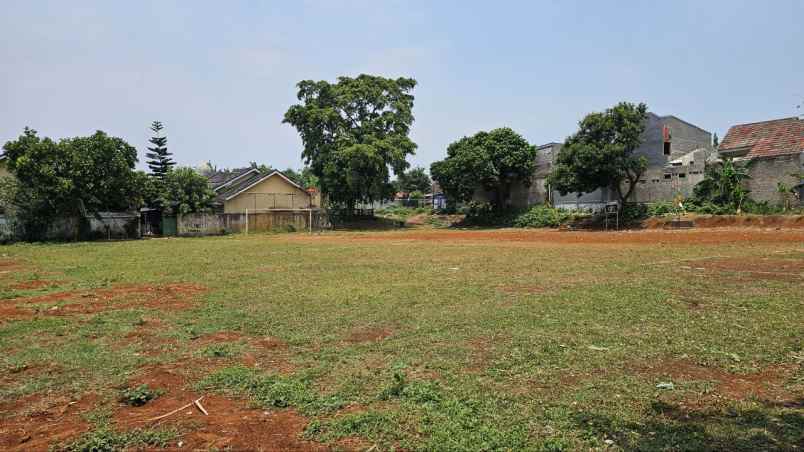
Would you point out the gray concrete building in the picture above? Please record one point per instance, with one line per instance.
(677, 153)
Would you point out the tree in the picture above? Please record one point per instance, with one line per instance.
(415, 179)
(73, 177)
(186, 191)
(354, 133)
(494, 161)
(723, 185)
(601, 153)
(159, 159)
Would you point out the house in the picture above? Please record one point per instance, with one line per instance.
(249, 189)
(676, 151)
(775, 152)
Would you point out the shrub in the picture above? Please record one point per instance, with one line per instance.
(138, 396)
(543, 217)
(481, 214)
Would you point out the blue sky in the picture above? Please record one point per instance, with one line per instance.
(220, 75)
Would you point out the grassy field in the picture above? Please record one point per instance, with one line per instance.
(413, 340)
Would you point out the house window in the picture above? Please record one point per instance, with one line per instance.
(682, 175)
(668, 176)
(666, 148)
(655, 181)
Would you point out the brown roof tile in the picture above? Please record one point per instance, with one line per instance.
(767, 138)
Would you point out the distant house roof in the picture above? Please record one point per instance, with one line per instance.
(2, 157)
(220, 179)
(240, 187)
(243, 181)
(765, 139)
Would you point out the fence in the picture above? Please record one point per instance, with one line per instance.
(198, 224)
(99, 226)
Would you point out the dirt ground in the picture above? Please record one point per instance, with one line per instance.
(613, 238)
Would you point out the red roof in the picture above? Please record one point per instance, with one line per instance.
(767, 138)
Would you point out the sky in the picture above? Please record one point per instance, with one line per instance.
(220, 75)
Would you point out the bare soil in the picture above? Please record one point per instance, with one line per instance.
(164, 297)
(517, 237)
(766, 384)
(374, 334)
(38, 421)
(231, 424)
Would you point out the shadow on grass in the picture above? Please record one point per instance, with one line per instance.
(765, 426)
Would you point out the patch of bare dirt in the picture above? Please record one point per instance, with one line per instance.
(519, 237)
(767, 384)
(483, 351)
(374, 334)
(36, 422)
(770, 269)
(264, 352)
(164, 297)
(33, 284)
(231, 424)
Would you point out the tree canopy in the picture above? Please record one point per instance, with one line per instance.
(159, 159)
(493, 161)
(414, 180)
(601, 153)
(71, 177)
(354, 133)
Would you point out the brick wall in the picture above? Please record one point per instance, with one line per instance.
(766, 173)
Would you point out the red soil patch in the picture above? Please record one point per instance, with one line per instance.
(266, 352)
(369, 335)
(775, 269)
(552, 237)
(231, 424)
(164, 297)
(35, 284)
(767, 384)
(483, 351)
(36, 422)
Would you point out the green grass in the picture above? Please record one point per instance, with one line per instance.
(488, 345)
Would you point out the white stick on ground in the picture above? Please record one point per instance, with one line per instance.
(201, 407)
(174, 411)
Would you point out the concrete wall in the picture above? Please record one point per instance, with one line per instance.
(766, 173)
(272, 193)
(200, 224)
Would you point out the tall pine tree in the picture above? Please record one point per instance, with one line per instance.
(159, 159)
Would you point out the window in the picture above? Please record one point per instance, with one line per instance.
(666, 148)
(682, 175)
(655, 181)
(668, 176)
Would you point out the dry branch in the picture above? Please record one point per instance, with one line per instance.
(174, 411)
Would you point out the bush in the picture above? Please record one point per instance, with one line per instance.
(138, 396)
(543, 217)
(482, 214)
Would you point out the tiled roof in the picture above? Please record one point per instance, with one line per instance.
(240, 184)
(766, 139)
(221, 177)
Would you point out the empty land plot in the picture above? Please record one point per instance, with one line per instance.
(413, 340)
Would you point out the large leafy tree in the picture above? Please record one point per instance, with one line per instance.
(72, 177)
(415, 179)
(186, 191)
(494, 161)
(354, 133)
(601, 153)
(159, 159)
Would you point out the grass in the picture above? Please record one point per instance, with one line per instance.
(485, 345)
